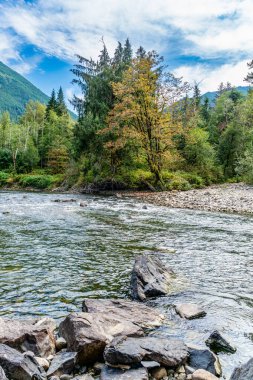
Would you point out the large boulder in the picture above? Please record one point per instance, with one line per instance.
(204, 359)
(2, 374)
(245, 372)
(18, 366)
(165, 351)
(62, 363)
(218, 343)
(150, 278)
(135, 312)
(34, 335)
(88, 333)
(109, 373)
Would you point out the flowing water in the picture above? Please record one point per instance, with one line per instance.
(52, 255)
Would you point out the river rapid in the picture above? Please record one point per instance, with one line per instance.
(54, 254)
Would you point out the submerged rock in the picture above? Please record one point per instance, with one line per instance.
(127, 310)
(245, 372)
(19, 367)
(34, 335)
(218, 343)
(201, 374)
(190, 311)
(204, 359)
(150, 278)
(165, 351)
(109, 373)
(62, 363)
(88, 333)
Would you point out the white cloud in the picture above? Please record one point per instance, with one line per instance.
(63, 28)
(209, 78)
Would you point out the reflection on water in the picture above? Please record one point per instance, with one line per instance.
(53, 254)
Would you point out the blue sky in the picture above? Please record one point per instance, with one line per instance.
(207, 41)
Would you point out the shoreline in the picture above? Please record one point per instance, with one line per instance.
(230, 198)
(235, 198)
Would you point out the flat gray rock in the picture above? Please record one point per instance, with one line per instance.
(190, 311)
(34, 335)
(165, 351)
(218, 343)
(150, 364)
(62, 363)
(245, 372)
(18, 366)
(150, 278)
(109, 373)
(127, 310)
(88, 333)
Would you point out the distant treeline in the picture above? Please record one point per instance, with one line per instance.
(138, 127)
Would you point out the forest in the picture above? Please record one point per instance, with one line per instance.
(138, 127)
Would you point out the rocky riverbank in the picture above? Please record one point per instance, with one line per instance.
(109, 339)
(231, 198)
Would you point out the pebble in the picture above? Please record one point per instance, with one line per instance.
(44, 363)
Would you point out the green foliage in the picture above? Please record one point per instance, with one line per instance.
(41, 182)
(4, 177)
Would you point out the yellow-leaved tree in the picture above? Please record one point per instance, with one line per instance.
(143, 113)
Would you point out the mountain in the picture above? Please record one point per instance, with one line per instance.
(16, 91)
(212, 95)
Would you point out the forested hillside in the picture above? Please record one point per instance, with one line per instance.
(16, 91)
(138, 127)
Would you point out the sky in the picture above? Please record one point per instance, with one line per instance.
(205, 41)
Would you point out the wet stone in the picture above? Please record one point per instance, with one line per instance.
(129, 351)
(190, 311)
(218, 343)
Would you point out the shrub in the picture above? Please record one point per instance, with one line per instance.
(4, 177)
(39, 181)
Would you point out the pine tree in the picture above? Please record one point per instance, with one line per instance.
(118, 54)
(141, 52)
(61, 108)
(249, 77)
(205, 110)
(127, 52)
(51, 105)
(104, 58)
(196, 98)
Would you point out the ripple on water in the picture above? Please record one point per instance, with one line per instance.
(52, 255)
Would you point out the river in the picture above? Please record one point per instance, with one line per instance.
(53, 254)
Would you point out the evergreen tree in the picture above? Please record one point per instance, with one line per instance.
(118, 54)
(141, 52)
(127, 52)
(205, 110)
(104, 58)
(249, 77)
(51, 105)
(61, 108)
(196, 99)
